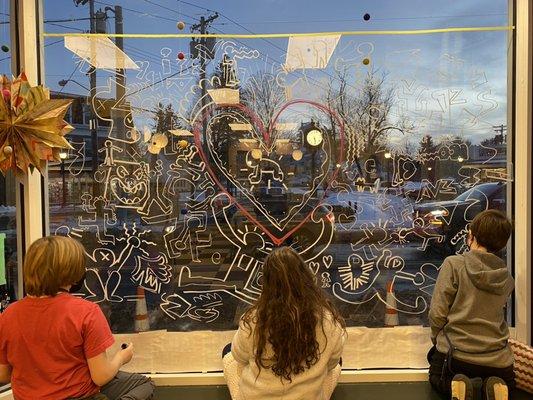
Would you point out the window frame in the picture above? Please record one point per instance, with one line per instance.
(32, 196)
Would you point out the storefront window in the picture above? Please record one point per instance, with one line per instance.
(193, 158)
(8, 225)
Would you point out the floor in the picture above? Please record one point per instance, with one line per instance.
(363, 391)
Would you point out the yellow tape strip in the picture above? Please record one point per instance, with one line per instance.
(281, 35)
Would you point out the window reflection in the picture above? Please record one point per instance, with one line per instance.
(8, 225)
(370, 161)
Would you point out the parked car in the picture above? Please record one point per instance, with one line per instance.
(415, 190)
(312, 223)
(369, 216)
(279, 203)
(449, 218)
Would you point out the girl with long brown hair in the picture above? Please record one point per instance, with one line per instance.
(289, 343)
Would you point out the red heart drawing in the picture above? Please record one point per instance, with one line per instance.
(264, 169)
(265, 136)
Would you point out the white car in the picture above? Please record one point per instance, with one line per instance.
(368, 216)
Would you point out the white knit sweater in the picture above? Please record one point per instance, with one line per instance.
(308, 385)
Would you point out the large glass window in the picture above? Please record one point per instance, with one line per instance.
(193, 158)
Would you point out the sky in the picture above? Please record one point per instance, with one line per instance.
(429, 72)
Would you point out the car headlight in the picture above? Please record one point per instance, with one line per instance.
(439, 213)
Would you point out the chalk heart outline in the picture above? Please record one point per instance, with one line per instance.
(266, 134)
(327, 260)
(267, 164)
(314, 266)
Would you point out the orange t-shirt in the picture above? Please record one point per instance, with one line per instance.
(47, 342)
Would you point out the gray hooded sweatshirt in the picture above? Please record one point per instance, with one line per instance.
(468, 305)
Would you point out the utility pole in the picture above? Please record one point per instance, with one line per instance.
(92, 89)
(63, 180)
(92, 123)
(205, 53)
(120, 77)
(98, 25)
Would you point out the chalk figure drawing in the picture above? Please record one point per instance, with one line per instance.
(195, 191)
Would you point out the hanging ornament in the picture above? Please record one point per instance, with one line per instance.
(297, 155)
(180, 25)
(32, 128)
(181, 56)
(257, 154)
(157, 142)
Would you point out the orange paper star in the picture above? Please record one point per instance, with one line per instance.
(32, 128)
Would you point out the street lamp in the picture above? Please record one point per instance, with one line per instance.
(92, 126)
(388, 156)
(63, 155)
(96, 27)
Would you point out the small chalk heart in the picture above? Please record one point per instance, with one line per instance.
(314, 266)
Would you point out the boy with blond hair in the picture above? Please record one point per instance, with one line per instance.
(52, 344)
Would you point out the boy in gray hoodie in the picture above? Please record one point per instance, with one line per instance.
(471, 356)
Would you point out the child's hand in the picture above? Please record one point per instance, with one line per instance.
(127, 353)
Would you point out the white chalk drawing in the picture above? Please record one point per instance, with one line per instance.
(200, 179)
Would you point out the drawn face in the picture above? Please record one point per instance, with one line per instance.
(130, 188)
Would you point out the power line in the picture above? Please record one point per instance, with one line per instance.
(197, 6)
(69, 78)
(276, 46)
(46, 45)
(232, 21)
(316, 82)
(146, 56)
(142, 13)
(67, 27)
(67, 20)
(56, 42)
(358, 19)
(138, 52)
(276, 63)
(167, 8)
